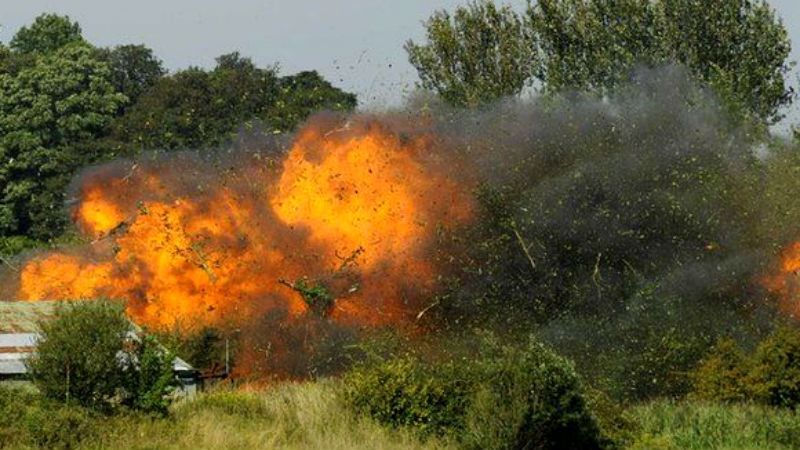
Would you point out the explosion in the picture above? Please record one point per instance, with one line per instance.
(341, 225)
(786, 282)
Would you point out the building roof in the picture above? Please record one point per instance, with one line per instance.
(22, 317)
(19, 333)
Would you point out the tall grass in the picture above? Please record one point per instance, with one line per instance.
(287, 416)
(696, 426)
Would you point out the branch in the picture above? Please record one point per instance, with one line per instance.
(8, 263)
(525, 247)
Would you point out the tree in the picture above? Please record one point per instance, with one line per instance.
(738, 47)
(592, 45)
(195, 108)
(479, 54)
(78, 353)
(50, 112)
(134, 69)
(47, 33)
(149, 379)
(303, 94)
(88, 354)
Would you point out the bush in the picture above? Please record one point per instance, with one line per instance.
(85, 355)
(771, 375)
(774, 377)
(78, 352)
(29, 420)
(151, 379)
(721, 375)
(506, 397)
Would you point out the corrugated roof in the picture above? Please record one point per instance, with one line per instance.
(22, 317)
(18, 340)
(13, 367)
(19, 332)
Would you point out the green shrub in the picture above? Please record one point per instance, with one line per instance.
(774, 377)
(12, 245)
(77, 358)
(721, 376)
(771, 375)
(30, 420)
(506, 397)
(151, 378)
(85, 355)
(58, 426)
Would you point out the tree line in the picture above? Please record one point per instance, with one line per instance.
(481, 51)
(65, 104)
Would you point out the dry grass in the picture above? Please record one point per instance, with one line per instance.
(289, 416)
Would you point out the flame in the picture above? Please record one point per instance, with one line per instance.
(354, 210)
(786, 282)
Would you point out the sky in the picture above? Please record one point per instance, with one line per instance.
(355, 44)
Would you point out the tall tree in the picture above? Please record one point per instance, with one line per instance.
(478, 54)
(134, 69)
(48, 113)
(47, 33)
(738, 47)
(195, 108)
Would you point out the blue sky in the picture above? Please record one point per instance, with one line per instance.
(356, 44)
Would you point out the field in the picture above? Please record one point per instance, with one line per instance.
(312, 415)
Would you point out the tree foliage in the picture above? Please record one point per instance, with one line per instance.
(768, 375)
(49, 114)
(195, 108)
(503, 397)
(134, 69)
(88, 354)
(738, 47)
(78, 353)
(478, 54)
(47, 33)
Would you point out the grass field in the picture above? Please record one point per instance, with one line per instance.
(695, 426)
(290, 416)
(312, 415)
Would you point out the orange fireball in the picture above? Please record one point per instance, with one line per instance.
(351, 207)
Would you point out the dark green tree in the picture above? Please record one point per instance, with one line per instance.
(47, 33)
(78, 353)
(739, 47)
(592, 45)
(49, 114)
(301, 95)
(480, 53)
(195, 108)
(134, 69)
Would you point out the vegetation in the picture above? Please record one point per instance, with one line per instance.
(508, 398)
(65, 104)
(195, 108)
(86, 355)
(296, 416)
(770, 375)
(694, 426)
(625, 219)
(482, 52)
